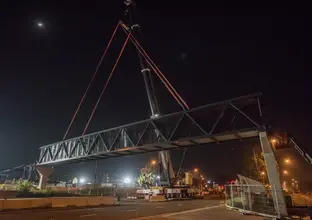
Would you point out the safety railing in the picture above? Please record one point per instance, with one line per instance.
(252, 199)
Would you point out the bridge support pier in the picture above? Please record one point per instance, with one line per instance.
(44, 173)
(273, 172)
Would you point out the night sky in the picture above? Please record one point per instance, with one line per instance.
(208, 52)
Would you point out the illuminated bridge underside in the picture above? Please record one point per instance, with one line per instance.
(233, 119)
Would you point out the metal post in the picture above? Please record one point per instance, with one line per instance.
(242, 196)
(273, 172)
(24, 171)
(231, 190)
(249, 198)
(95, 170)
(30, 170)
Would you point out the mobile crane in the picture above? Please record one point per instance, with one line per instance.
(167, 177)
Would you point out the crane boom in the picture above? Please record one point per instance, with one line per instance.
(303, 152)
(165, 164)
(146, 72)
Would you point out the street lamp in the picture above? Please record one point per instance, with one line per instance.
(127, 180)
(153, 162)
(287, 161)
(196, 170)
(262, 174)
(82, 180)
(285, 172)
(273, 141)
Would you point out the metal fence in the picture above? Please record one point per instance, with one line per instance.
(252, 199)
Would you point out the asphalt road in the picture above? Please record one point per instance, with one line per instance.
(190, 209)
(213, 213)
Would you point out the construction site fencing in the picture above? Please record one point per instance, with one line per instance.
(252, 199)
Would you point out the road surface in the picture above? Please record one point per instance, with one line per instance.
(175, 210)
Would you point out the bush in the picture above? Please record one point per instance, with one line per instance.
(24, 186)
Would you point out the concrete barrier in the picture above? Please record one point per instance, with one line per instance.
(17, 204)
(1, 204)
(69, 202)
(101, 200)
(93, 201)
(13, 204)
(56, 202)
(41, 203)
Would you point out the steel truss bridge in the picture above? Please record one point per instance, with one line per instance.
(233, 119)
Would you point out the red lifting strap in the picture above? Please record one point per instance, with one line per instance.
(91, 81)
(105, 85)
(161, 76)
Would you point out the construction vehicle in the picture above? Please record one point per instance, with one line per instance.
(180, 186)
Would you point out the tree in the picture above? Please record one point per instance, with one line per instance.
(254, 165)
(146, 177)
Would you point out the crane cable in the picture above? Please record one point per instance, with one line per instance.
(105, 85)
(171, 92)
(91, 81)
(161, 76)
(164, 77)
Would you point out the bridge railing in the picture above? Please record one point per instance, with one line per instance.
(208, 120)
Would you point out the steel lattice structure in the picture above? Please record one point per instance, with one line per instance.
(238, 118)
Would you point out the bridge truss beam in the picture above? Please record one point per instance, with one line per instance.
(233, 119)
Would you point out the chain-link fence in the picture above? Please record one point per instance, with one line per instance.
(253, 199)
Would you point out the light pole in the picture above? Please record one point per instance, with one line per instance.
(201, 185)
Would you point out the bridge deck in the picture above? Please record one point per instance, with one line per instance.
(232, 119)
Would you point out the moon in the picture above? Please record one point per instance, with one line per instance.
(40, 24)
